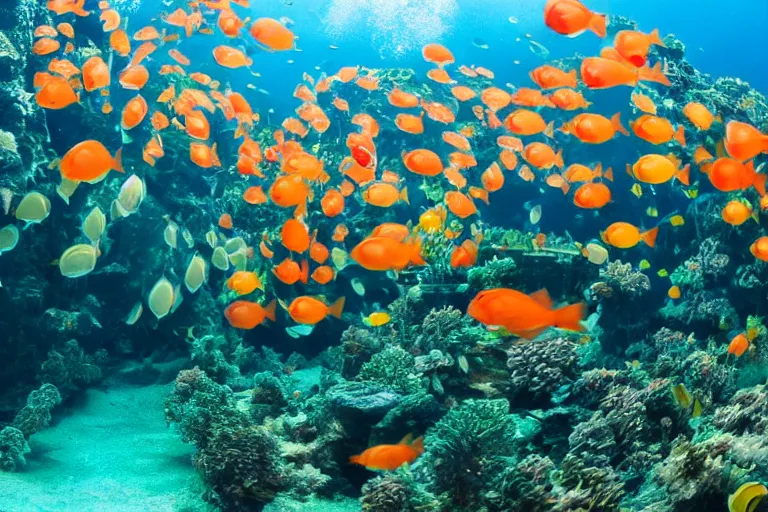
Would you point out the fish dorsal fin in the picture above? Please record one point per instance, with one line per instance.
(542, 298)
(408, 439)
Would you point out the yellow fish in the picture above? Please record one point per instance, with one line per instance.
(651, 211)
(644, 264)
(682, 396)
(677, 220)
(692, 194)
(662, 273)
(637, 190)
(377, 319)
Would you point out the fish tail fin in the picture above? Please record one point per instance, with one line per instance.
(559, 159)
(656, 38)
(418, 445)
(301, 210)
(680, 135)
(649, 237)
(215, 156)
(629, 171)
(759, 183)
(118, 164)
(404, 196)
(616, 122)
(354, 459)
(304, 276)
(565, 187)
(570, 317)
(598, 172)
(572, 75)
(597, 24)
(337, 307)
(755, 216)
(608, 174)
(269, 310)
(416, 257)
(549, 131)
(653, 74)
(684, 176)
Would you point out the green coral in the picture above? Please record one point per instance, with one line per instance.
(392, 367)
(493, 274)
(395, 492)
(465, 446)
(13, 446)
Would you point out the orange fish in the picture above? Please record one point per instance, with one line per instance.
(290, 190)
(243, 282)
(111, 19)
(480, 193)
(167, 95)
(323, 274)
(45, 46)
(464, 255)
(438, 112)
(577, 173)
(179, 57)
(423, 162)
(457, 140)
(484, 72)
(455, 178)
(508, 159)
(542, 156)
(526, 122)
(657, 130)
(743, 141)
(462, 160)
(495, 98)
(347, 74)
(389, 457)
(492, 178)
(228, 22)
(594, 128)
(633, 46)
(134, 113)
(56, 94)
(95, 74)
(463, 93)
(134, 78)
(120, 43)
(510, 143)
(66, 6)
(142, 52)
(398, 232)
(701, 155)
(369, 83)
(437, 54)
(601, 73)
(440, 76)
(63, 67)
(45, 30)
(340, 233)
(525, 97)
(409, 123)
(738, 345)
(147, 33)
(153, 150)
(558, 181)
(367, 123)
(254, 195)
(231, 58)
(384, 195)
(592, 196)
(340, 104)
(459, 204)
(401, 99)
(225, 221)
(317, 251)
(700, 115)
(310, 311)
(550, 77)
(624, 235)
(526, 174)
(381, 253)
(89, 161)
(523, 315)
(644, 103)
(737, 212)
(290, 272)
(467, 71)
(728, 175)
(272, 34)
(655, 169)
(203, 155)
(571, 18)
(197, 125)
(759, 248)
(294, 236)
(243, 314)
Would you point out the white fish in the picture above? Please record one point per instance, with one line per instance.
(66, 189)
(94, 225)
(197, 273)
(513, 20)
(358, 286)
(187, 236)
(34, 208)
(171, 234)
(78, 260)
(538, 49)
(219, 259)
(132, 194)
(535, 214)
(9, 237)
(298, 331)
(135, 314)
(161, 298)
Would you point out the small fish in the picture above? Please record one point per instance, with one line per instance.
(662, 273)
(677, 220)
(538, 49)
(637, 190)
(377, 319)
(644, 265)
(534, 215)
(682, 396)
(651, 211)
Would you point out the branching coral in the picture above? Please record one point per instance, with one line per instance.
(393, 367)
(581, 486)
(746, 412)
(621, 279)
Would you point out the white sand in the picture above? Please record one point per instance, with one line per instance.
(112, 453)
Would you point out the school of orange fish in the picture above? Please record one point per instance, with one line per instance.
(288, 176)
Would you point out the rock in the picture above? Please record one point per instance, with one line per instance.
(361, 402)
(61, 325)
(415, 413)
